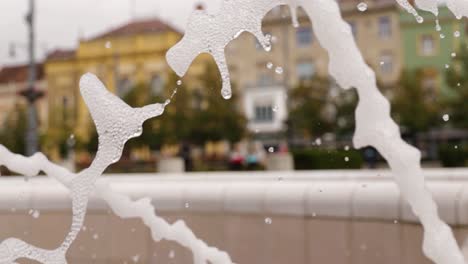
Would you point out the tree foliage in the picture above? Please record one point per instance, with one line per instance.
(413, 107)
(13, 132)
(307, 102)
(214, 117)
(457, 78)
(318, 106)
(193, 115)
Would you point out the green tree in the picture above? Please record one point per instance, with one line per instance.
(214, 117)
(306, 110)
(13, 132)
(171, 127)
(174, 126)
(412, 106)
(345, 105)
(457, 78)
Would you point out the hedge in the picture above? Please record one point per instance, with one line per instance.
(452, 155)
(320, 159)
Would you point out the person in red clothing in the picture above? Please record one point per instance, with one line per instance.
(236, 159)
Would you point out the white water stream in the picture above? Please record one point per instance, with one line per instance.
(116, 123)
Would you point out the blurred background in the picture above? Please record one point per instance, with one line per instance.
(286, 112)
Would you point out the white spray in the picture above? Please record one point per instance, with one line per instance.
(374, 126)
(116, 123)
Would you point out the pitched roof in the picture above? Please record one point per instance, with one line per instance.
(61, 54)
(152, 25)
(19, 73)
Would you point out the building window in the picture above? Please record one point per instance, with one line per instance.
(429, 85)
(353, 28)
(385, 27)
(303, 36)
(386, 62)
(264, 113)
(427, 45)
(305, 71)
(157, 85)
(264, 79)
(64, 108)
(124, 86)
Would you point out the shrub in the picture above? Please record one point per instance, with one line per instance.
(319, 159)
(452, 155)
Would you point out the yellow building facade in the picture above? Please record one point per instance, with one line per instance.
(123, 57)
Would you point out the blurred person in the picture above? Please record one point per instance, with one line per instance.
(186, 154)
(236, 159)
(370, 156)
(252, 159)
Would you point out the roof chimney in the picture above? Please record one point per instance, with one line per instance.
(199, 6)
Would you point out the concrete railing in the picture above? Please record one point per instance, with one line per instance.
(258, 217)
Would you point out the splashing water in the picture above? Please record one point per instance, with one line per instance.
(208, 33)
(116, 123)
(362, 6)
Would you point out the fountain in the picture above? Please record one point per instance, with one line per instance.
(116, 123)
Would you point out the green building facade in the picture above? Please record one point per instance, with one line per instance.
(429, 50)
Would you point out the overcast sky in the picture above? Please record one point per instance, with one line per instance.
(60, 23)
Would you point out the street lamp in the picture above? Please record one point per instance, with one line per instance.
(30, 92)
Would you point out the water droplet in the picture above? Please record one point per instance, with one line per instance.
(456, 146)
(318, 142)
(136, 258)
(346, 159)
(108, 45)
(279, 70)
(268, 221)
(187, 205)
(419, 19)
(447, 66)
(36, 214)
(226, 93)
(442, 36)
(446, 117)
(362, 6)
(453, 54)
(271, 149)
(456, 34)
(346, 148)
(269, 65)
(275, 108)
(382, 63)
(179, 82)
